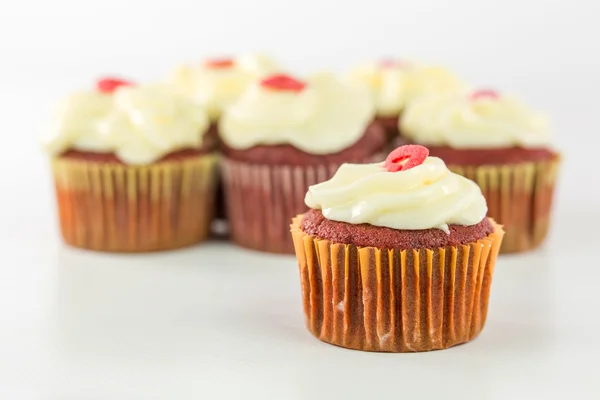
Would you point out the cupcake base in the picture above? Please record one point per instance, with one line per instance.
(389, 300)
(520, 196)
(109, 206)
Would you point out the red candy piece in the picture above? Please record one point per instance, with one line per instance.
(484, 94)
(391, 63)
(388, 62)
(109, 85)
(220, 63)
(406, 157)
(283, 82)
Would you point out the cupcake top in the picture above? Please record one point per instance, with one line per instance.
(409, 191)
(139, 124)
(216, 83)
(393, 84)
(319, 116)
(480, 119)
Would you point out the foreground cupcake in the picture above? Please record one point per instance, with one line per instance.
(393, 84)
(133, 171)
(500, 144)
(396, 256)
(282, 136)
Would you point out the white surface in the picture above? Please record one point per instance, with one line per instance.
(218, 322)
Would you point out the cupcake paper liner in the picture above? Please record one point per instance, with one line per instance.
(390, 300)
(123, 208)
(519, 196)
(262, 198)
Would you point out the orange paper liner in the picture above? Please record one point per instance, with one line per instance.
(518, 196)
(262, 198)
(390, 300)
(124, 208)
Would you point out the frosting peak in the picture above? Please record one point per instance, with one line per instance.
(482, 119)
(423, 197)
(320, 116)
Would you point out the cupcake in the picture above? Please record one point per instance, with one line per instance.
(396, 256)
(132, 167)
(217, 83)
(502, 145)
(393, 84)
(282, 136)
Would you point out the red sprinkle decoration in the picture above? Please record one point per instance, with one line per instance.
(220, 63)
(283, 82)
(484, 94)
(109, 85)
(406, 157)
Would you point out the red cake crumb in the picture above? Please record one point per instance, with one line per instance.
(365, 235)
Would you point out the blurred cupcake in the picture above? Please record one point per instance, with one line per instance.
(500, 144)
(396, 256)
(393, 84)
(132, 167)
(217, 83)
(282, 136)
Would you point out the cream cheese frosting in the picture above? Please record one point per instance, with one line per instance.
(427, 196)
(324, 117)
(75, 123)
(215, 85)
(393, 84)
(140, 124)
(387, 84)
(474, 121)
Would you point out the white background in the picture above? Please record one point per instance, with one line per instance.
(216, 322)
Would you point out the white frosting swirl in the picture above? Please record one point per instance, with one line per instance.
(394, 85)
(140, 124)
(75, 123)
(463, 121)
(386, 84)
(215, 88)
(430, 80)
(424, 197)
(324, 117)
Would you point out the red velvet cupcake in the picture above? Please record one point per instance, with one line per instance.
(216, 83)
(396, 256)
(133, 169)
(499, 143)
(395, 83)
(282, 136)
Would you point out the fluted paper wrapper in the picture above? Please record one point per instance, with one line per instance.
(124, 208)
(390, 300)
(262, 198)
(518, 196)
